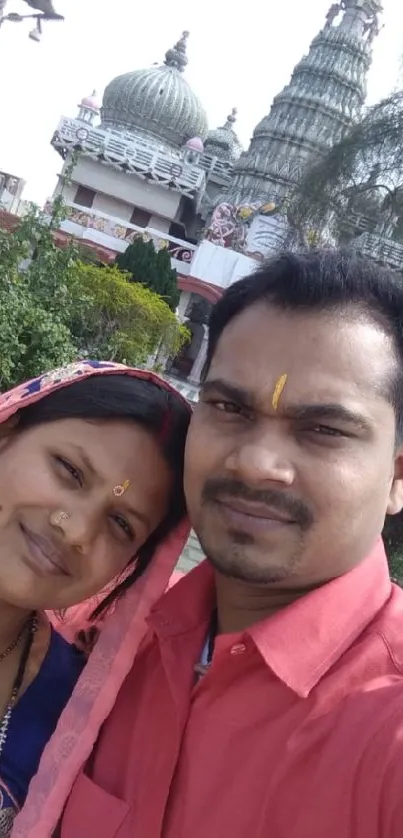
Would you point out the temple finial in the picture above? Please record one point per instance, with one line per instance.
(176, 56)
(231, 118)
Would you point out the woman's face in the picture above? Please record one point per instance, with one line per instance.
(63, 532)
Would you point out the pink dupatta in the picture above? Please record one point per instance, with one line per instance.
(114, 653)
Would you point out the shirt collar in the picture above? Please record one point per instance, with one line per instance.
(302, 641)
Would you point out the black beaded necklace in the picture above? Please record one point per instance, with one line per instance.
(30, 628)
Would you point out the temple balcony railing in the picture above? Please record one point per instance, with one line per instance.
(216, 170)
(381, 249)
(130, 154)
(115, 234)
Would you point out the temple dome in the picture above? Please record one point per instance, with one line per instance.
(195, 144)
(223, 142)
(91, 102)
(156, 101)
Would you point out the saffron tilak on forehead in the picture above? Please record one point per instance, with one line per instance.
(280, 384)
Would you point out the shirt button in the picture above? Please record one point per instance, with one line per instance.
(238, 649)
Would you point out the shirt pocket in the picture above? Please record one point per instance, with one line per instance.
(91, 812)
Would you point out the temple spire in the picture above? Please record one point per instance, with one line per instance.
(359, 18)
(176, 56)
(324, 98)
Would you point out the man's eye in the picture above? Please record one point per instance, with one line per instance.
(226, 407)
(325, 430)
(72, 470)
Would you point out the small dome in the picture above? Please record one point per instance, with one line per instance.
(195, 144)
(91, 102)
(157, 101)
(223, 142)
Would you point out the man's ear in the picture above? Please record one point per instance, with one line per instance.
(395, 504)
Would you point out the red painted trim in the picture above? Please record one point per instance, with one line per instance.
(210, 292)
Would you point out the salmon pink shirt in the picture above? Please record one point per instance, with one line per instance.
(296, 731)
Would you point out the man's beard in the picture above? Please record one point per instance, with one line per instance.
(235, 559)
(235, 563)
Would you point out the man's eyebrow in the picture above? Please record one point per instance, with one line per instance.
(228, 391)
(304, 412)
(328, 412)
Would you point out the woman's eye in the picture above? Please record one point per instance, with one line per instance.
(72, 470)
(123, 524)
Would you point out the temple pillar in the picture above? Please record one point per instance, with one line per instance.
(197, 369)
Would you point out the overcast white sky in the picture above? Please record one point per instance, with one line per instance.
(240, 58)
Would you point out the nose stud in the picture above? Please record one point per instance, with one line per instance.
(56, 518)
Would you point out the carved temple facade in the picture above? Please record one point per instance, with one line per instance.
(143, 163)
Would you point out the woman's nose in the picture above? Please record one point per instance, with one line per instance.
(78, 525)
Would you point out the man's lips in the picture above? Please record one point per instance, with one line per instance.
(44, 554)
(258, 514)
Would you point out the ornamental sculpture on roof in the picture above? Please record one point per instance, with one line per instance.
(46, 8)
(370, 8)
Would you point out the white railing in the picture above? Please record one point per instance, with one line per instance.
(218, 170)
(148, 161)
(117, 234)
(381, 249)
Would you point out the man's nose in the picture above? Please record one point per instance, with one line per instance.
(262, 459)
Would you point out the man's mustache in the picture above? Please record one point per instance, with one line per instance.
(218, 487)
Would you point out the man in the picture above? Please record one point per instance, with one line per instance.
(267, 701)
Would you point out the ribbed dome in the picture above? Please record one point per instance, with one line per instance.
(157, 101)
(223, 142)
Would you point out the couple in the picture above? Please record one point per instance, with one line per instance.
(261, 695)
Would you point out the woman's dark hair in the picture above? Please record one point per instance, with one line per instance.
(111, 397)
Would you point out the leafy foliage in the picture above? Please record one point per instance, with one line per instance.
(393, 538)
(118, 319)
(54, 308)
(33, 295)
(151, 268)
(358, 185)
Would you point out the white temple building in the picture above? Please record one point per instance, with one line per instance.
(146, 164)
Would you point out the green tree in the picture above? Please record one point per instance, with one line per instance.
(151, 268)
(122, 320)
(55, 309)
(393, 538)
(358, 185)
(33, 299)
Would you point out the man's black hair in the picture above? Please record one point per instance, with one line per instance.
(322, 280)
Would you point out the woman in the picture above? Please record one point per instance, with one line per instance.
(91, 467)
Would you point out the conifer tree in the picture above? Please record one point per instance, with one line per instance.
(151, 268)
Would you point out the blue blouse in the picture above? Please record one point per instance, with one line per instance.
(32, 723)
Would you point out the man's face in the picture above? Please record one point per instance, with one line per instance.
(298, 494)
